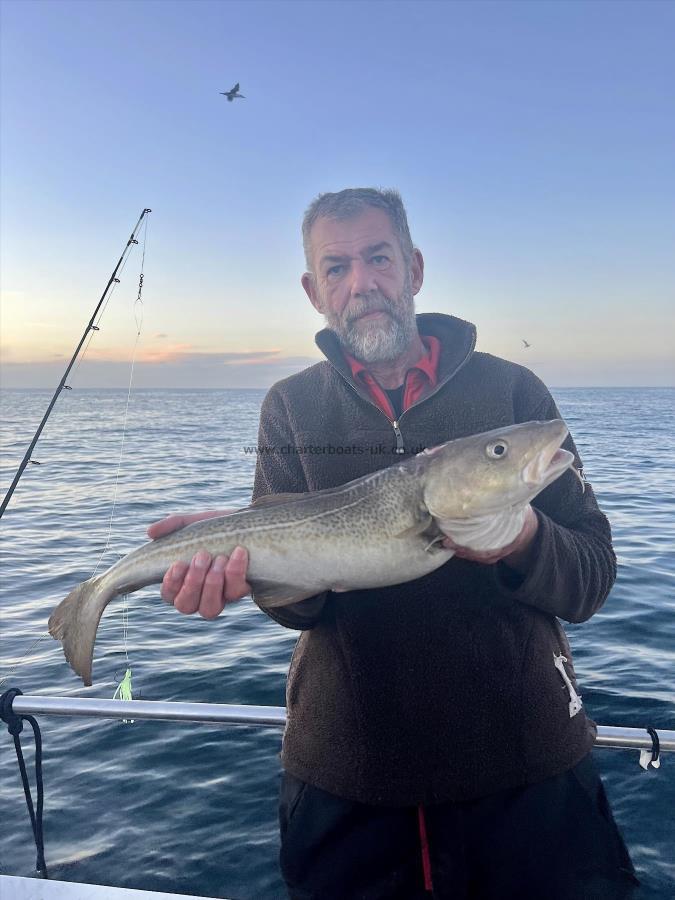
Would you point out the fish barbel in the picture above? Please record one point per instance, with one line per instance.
(381, 529)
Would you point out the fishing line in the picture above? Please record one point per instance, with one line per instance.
(96, 326)
(124, 688)
(138, 317)
(93, 327)
(21, 659)
(62, 384)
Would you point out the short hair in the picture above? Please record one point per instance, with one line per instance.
(351, 202)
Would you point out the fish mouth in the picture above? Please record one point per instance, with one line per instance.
(546, 466)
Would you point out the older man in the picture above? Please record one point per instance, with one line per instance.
(436, 742)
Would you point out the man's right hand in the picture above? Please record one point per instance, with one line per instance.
(206, 584)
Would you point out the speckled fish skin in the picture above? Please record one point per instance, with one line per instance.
(381, 529)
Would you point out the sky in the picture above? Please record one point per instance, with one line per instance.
(532, 143)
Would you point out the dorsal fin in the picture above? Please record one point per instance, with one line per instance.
(274, 499)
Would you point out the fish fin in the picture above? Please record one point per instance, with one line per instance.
(418, 528)
(74, 622)
(269, 594)
(273, 499)
(489, 532)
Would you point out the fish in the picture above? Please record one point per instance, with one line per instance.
(381, 529)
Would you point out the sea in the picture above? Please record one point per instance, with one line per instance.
(192, 808)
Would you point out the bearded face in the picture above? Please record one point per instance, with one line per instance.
(364, 285)
(376, 328)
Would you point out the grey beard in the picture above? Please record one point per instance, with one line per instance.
(378, 342)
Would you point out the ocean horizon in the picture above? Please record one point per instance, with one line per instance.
(192, 808)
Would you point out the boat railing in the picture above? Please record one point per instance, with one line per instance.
(608, 736)
(16, 707)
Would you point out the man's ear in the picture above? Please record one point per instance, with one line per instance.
(309, 284)
(417, 270)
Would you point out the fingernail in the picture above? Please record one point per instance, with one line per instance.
(238, 555)
(201, 560)
(219, 564)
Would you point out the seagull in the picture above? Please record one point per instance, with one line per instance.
(233, 93)
(525, 344)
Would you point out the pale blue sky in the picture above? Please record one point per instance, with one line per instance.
(533, 144)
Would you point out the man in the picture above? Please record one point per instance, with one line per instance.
(436, 743)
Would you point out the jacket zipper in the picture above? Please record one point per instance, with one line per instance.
(399, 437)
(400, 449)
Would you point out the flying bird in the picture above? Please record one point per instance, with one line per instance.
(233, 93)
(525, 344)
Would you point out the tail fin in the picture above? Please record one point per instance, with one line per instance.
(75, 620)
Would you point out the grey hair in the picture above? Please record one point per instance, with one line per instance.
(351, 202)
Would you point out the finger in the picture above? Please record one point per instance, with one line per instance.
(188, 597)
(236, 585)
(165, 526)
(173, 581)
(212, 600)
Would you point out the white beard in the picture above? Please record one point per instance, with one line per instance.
(377, 343)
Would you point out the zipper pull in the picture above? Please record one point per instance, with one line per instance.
(399, 438)
(575, 699)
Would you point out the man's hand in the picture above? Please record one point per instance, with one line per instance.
(206, 585)
(515, 554)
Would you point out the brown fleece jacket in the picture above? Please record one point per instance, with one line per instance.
(443, 688)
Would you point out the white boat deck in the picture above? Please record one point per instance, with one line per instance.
(16, 888)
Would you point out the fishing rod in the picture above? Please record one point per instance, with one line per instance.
(62, 384)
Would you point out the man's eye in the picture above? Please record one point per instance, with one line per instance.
(335, 270)
(380, 260)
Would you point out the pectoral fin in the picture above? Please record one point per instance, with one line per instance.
(425, 523)
(272, 593)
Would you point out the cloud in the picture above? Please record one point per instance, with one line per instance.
(178, 354)
(185, 355)
(181, 368)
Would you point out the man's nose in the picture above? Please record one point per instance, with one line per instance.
(362, 278)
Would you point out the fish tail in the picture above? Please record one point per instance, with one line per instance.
(75, 620)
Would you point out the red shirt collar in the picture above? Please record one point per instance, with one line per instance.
(419, 378)
(427, 364)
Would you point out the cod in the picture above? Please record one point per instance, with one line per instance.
(381, 529)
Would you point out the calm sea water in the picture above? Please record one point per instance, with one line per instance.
(192, 808)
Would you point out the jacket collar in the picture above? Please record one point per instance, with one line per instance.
(457, 337)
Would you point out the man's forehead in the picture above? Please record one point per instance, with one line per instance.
(349, 236)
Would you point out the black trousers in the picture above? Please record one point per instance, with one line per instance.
(555, 840)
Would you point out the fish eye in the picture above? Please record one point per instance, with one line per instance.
(497, 450)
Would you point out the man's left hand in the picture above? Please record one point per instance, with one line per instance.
(514, 554)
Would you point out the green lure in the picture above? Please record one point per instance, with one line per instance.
(124, 691)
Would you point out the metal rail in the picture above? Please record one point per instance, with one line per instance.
(608, 736)
(165, 710)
